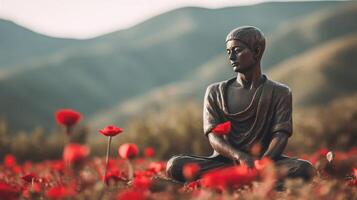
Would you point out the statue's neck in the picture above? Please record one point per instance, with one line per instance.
(250, 79)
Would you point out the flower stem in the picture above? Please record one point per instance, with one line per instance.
(130, 170)
(107, 158)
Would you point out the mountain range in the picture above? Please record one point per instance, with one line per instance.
(169, 58)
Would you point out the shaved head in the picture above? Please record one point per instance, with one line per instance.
(251, 36)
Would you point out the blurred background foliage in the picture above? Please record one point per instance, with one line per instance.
(178, 129)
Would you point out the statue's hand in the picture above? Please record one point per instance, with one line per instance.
(246, 159)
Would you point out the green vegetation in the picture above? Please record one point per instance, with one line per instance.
(178, 129)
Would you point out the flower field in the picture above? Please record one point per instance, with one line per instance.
(76, 177)
(133, 172)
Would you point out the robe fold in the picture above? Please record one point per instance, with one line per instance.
(269, 112)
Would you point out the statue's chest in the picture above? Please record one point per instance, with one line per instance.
(238, 99)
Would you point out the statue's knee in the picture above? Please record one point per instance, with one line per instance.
(171, 166)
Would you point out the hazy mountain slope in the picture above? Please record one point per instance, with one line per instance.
(111, 69)
(295, 37)
(322, 74)
(19, 44)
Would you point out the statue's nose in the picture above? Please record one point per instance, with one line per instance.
(232, 56)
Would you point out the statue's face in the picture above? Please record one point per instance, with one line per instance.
(240, 56)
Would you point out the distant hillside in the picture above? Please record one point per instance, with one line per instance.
(101, 73)
(322, 74)
(297, 36)
(217, 69)
(20, 45)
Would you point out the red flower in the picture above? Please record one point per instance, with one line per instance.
(262, 164)
(111, 130)
(60, 192)
(67, 117)
(157, 166)
(10, 160)
(229, 177)
(141, 182)
(222, 129)
(323, 151)
(131, 195)
(149, 152)
(114, 175)
(194, 185)
(190, 170)
(8, 192)
(128, 151)
(74, 153)
(31, 189)
(29, 177)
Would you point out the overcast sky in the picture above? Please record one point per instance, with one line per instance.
(90, 18)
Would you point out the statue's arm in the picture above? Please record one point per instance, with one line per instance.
(277, 145)
(282, 125)
(221, 146)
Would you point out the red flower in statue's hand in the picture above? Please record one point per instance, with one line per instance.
(67, 117)
(74, 153)
(111, 130)
(128, 151)
(222, 129)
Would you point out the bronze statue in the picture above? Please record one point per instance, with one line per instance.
(259, 109)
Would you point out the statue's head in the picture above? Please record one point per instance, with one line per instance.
(245, 47)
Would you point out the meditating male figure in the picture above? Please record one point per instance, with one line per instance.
(259, 109)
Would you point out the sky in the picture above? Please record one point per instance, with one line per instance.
(91, 18)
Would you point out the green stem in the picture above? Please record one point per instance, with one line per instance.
(107, 158)
(130, 170)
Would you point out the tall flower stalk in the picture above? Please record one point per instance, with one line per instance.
(109, 131)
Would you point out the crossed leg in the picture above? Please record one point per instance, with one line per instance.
(293, 167)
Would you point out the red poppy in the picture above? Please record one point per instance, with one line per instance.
(60, 192)
(141, 182)
(111, 130)
(74, 153)
(190, 170)
(230, 177)
(67, 117)
(31, 189)
(323, 151)
(222, 129)
(194, 185)
(131, 195)
(157, 166)
(353, 181)
(149, 152)
(262, 164)
(8, 192)
(30, 177)
(114, 175)
(57, 165)
(10, 160)
(128, 151)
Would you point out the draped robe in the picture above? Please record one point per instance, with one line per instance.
(269, 112)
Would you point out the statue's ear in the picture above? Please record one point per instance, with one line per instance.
(257, 51)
